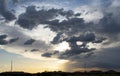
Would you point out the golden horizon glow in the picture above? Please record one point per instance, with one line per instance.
(34, 66)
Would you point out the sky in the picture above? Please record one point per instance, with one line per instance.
(59, 35)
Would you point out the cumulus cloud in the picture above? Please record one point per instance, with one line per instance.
(76, 49)
(47, 54)
(3, 42)
(87, 37)
(13, 40)
(34, 50)
(56, 39)
(71, 26)
(2, 37)
(29, 42)
(99, 40)
(31, 18)
(50, 54)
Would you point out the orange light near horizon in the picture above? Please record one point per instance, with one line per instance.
(87, 69)
(34, 66)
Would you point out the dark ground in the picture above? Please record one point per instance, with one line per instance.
(92, 73)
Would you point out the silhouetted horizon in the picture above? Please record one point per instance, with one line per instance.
(109, 71)
(61, 73)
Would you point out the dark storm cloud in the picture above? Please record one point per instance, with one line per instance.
(111, 58)
(13, 40)
(76, 49)
(29, 42)
(106, 58)
(106, 65)
(8, 15)
(57, 38)
(109, 24)
(71, 25)
(50, 54)
(34, 50)
(4, 12)
(83, 48)
(3, 37)
(87, 37)
(77, 14)
(74, 52)
(55, 52)
(99, 40)
(3, 42)
(89, 54)
(31, 18)
(47, 55)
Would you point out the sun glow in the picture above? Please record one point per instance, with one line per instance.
(62, 46)
(39, 65)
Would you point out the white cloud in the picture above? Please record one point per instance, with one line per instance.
(89, 13)
(63, 46)
(18, 47)
(115, 3)
(40, 33)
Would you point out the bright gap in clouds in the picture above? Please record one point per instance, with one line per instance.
(79, 43)
(62, 47)
(60, 18)
(89, 13)
(41, 33)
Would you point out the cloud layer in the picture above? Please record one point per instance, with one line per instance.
(92, 31)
